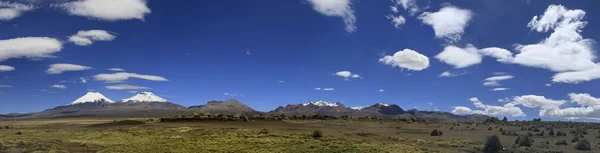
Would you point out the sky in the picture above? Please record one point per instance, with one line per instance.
(521, 59)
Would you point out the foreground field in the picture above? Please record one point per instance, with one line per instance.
(107, 135)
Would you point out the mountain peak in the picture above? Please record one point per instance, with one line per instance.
(145, 97)
(91, 97)
(322, 103)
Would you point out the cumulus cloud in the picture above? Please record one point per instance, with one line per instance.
(338, 8)
(448, 23)
(501, 54)
(507, 109)
(86, 38)
(4, 68)
(83, 80)
(58, 86)
(347, 74)
(499, 89)
(63, 67)
(589, 106)
(122, 76)
(116, 69)
(564, 50)
(109, 10)
(125, 87)
(460, 57)
(29, 47)
(381, 90)
(495, 80)
(408, 59)
(9, 11)
(548, 84)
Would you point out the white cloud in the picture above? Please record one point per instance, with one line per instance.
(534, 101)
(408, 5)
(407, 58)
(125, 87)
(83, 80)
(397, 20)
(5, 86)
(507, 109)
(495, 80)
(110, 10)
(589, 107)
(63, 67)
(86, 38)
(328, 89)
(499, 89)
(116, 69)
(565, 49)
(584, 99)
(491, 84)
(394, 9)
(339, 8)
(548, 84)
(29, 47)
(501, 54)
(4, 68)
(499, 78)
(499, 73)
(347, 74)
(59, 86)
(317, 88)
(381, 90)
(122, 76)
(577, 76)
(281, 81)
(448, 23)
(451, 74)
(230, 94)
(9, 11)
(460, 57)
(132, 91)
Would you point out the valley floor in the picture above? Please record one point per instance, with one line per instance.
(108, 135)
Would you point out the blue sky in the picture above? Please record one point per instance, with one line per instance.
(277, 52)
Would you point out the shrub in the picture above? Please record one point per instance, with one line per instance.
(317, 134)
(575, 139)
(583, 145)
(264, 131)
(542, 133)
(500, 130)
(536, 130)
(490, 128)
(518, 140)
(551, 132)
(529, 134)
(436, 133)
(525, 141)
(492, 145)
(584, 132)
(561, 142)
(19, 133)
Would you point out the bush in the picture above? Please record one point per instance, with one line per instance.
(551, 132)
(542, 133)
(490, 128)
(436, 133)
(584, 132)
(317, 134)
(525, 141)
(529, 134)
(583, 145)
(492, 145)
(500, 130)
(561, 142)
(575, 139)
(561, 133)
(536, 130)
(264, 131)
(19, 133)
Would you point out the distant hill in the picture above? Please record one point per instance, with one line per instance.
(314, 108)
(230, 106)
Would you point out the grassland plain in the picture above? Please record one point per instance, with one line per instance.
(140, 135)
(109, 135)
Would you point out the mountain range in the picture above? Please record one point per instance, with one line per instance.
(147, 104)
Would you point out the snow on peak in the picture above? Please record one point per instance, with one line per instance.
(382, 104)
(91, 97)
(321, 103)
(358, 107)
(145, 97)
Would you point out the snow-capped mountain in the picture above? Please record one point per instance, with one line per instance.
(145, 97)
(321, 103)
(386, 109)
(91, 97)
(358, 107)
